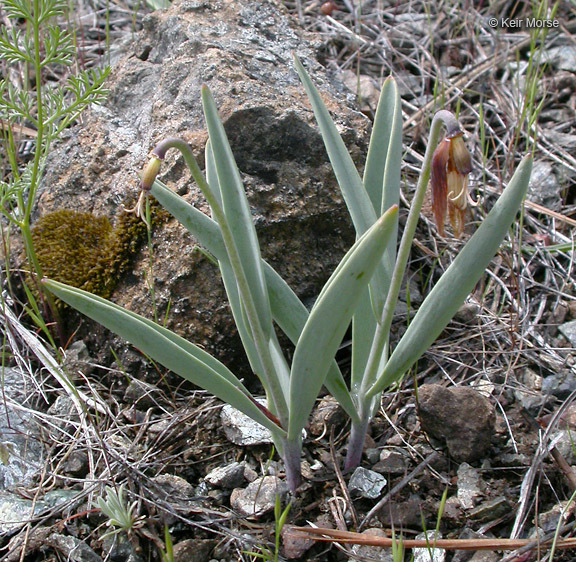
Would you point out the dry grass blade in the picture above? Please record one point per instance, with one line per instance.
(17, 129)
(335, 535)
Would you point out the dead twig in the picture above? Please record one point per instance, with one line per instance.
(349, 537)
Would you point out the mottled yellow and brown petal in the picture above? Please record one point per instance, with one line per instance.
(438, 181)
(451, 164)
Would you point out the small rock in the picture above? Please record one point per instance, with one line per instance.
(460, 416)
(249, 473)
(76, 464)
(544, 187)
(429, 554)
(514, 460)
(243, 430)
(193, 550)
(567, 419)
(566, 140)
(366, 483)
(174, 486)
(467, 313)
(15, 510)
(258, 497)
(452, 510)
(77, 360)
(403, 514)
(294, 545)
(21, 450)
(490, 510)
(390, 462)
(550, 520)
(364, 552)
(326, 414)
(228, 476)
(468, 485)
(72, 549)
(140, 394)
(363, 88)
(65, 416)
(563, 440)
(484, 387)
(560, 384)
(529, 390)
(372, 454)
(563, 57)
(118, 547)
(484, 557)
(568, 330)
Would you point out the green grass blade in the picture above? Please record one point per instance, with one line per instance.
(237, 211)
(330, 317)
(169, 349)
(357, 200)
(457, 282)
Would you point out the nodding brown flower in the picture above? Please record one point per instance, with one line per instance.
(451, 164)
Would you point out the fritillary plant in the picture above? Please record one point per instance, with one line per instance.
(362, 291)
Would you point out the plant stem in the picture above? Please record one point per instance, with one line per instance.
(381, 336)
(383, 328)
(356, 441)
(290, 452)
(25, 206)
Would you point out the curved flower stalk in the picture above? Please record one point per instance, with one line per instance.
(447, 164)
(258, 297)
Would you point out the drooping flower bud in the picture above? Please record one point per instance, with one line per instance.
(150, 172)
(451, 164)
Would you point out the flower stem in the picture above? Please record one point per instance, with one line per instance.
(366, 392)
(383, 328)
(270, 379)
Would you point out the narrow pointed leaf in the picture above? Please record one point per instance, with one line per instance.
(359, 205)
(382, 183)
(458, 281)
(291, 315)
(237, 210)
(229, 278)
(330, 317)
(384, 159)
(357, 199)
(169, 349)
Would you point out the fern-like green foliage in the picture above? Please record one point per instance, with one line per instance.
(35, 46)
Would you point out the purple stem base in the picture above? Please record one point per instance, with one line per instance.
(291, 457)
(356, 443)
